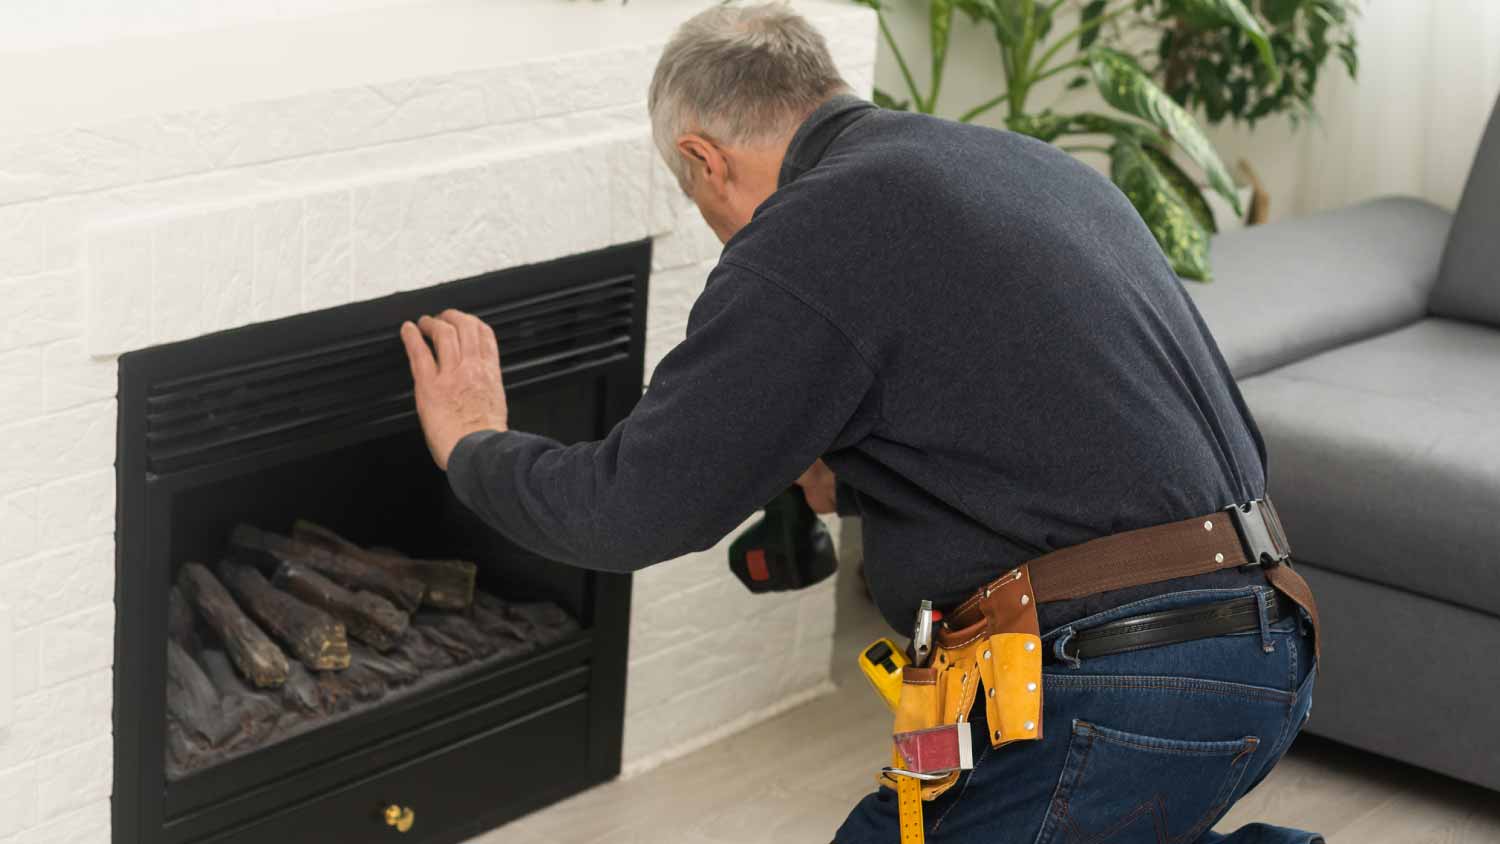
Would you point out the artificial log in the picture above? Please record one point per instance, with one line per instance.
(449, 584)
(501, 629)
(545, 622)
(334, 692)
(183, 751)
(182, 625)
(340, 690)
(393, 668)
(490, 616)
(193, 702)
(456, 635)
(300, 694)
(349, 572)
(255, 713)
(367, 616)
(368, 684)
(257, 657)
(455, 647)
(315, 637)
(539, 624)
(422, 651)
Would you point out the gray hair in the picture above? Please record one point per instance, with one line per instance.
(739, 75)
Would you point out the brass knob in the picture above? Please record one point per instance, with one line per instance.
(401, 817)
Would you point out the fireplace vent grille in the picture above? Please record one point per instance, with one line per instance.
(278, 399)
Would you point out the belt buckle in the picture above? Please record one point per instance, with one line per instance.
(1260, 532)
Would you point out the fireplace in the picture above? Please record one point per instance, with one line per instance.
(164, 206)
(310, 418)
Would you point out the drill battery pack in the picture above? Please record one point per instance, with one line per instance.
(787, 549)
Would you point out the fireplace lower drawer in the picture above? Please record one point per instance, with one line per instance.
(485, 780)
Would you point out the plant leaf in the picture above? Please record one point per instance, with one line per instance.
(977, 10)
(1350, 58)
(1044, 127)
(1049, 126)
(1089, 123)
(1235, 12)
(940, 28)
(1165, 212)
(1013, 20)
(1186, 187)
(1092, 12)
(1124, 85)
(1281, 11)
(885, 100)
(1043, 23)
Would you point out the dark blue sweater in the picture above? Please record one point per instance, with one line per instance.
(974, 330)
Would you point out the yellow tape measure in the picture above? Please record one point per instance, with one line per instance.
(881, 661)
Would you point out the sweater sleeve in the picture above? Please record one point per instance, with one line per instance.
(762, 386)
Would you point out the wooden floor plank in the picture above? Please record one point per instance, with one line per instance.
(1319, 787)
(1434, 811)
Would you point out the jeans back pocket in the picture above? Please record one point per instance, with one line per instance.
(1123, 788)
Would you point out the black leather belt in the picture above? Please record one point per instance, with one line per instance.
(1171, 627)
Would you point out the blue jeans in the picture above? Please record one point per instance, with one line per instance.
(1151, 746)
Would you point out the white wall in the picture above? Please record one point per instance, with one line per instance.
(1410, 125)
(1431, 72)
(42, 24)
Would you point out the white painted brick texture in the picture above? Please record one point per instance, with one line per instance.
(138, 231)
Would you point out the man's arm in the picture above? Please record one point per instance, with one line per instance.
(762, 386)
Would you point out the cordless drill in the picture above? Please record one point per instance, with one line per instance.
(788, 548)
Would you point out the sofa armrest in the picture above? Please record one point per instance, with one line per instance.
(1466, 287)
(1290, 289)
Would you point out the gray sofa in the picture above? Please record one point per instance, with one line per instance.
(1367, 343)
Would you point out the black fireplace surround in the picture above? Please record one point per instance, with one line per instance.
(312, 417)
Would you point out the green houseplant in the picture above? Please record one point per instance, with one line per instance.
(1143, 126)
(1208, 67)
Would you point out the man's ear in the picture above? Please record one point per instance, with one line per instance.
(705, 160)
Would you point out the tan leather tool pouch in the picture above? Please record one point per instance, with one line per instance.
(1011, 663)
(1000, 656)
(926, 701)
(921, 702)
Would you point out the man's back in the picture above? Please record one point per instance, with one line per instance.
(1041, 378)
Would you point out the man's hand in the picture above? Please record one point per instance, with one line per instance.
(460, 391)
(819, 486)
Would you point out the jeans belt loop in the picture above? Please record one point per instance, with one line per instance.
(1060, 645)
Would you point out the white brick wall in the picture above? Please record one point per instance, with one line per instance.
(162, 226)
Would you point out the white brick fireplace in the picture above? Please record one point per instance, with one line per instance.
(161, 188)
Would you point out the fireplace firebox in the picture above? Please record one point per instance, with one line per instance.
(310, 419)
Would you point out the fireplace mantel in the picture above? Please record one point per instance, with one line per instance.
(160, 188)
(98, 83)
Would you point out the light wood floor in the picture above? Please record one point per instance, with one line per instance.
(793, 779)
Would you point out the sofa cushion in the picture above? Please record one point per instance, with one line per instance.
(1469, 285)
(1297, 287)
(1384, 459)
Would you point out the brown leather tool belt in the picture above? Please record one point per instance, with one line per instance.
(1248, 534)
(990, 649)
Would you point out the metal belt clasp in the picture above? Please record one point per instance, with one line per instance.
(1260, 530)
(916, 775)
